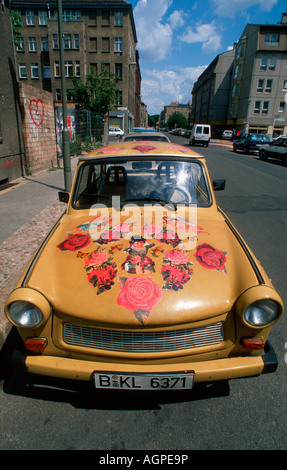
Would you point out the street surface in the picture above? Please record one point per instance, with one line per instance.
(241, 414)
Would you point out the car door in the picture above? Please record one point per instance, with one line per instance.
(277, 149)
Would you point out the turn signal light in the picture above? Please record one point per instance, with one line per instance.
(252, 343)
(36, 345)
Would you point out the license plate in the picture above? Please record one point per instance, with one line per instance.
(123, 381)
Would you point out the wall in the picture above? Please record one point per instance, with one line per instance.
(11, 145)
(38, 128)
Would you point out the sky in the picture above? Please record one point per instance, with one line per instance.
(178, 39)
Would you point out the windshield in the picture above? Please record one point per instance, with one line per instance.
(140, 182)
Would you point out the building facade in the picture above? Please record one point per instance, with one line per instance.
(94, 32)
(172, 108)
(251, 90)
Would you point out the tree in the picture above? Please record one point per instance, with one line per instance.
(99, 92)
(177, 120)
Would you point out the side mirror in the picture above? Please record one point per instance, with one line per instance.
(218, 185)
(63, 196)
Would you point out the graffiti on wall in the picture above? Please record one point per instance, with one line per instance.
(36, 109)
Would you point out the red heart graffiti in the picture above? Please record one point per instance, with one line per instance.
(37, 111)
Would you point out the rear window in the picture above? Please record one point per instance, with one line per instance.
(206, 130)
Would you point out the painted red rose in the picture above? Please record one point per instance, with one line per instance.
(75, 242)
(139, 293)
(144, 148)
(176, 257)
(96, 259)
(209, 257)
(102, 277)
(175, 278)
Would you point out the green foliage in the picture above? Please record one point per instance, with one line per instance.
(16, 23)
(177, 119)
(98, 93)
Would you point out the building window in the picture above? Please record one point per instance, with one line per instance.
(93, 44)
(119, 71)
(57, 72)
(105, 44)
(46, 71)
(272, 63)
(106, 18)
(67, 15)
(118, 18)
(240, 51)
(32, 45)
(76, 41)
(77, 68)
(58, 94)
(45, 44)
(238, 71)
(43, 18)
(271, 39)
(281, 107)
(263, 64)
(67, 40)
(119, 98)
(118, 45)
(94, 68)
(68, 68)
(257, 107)
(20, 45)
(30, 19)
(265, 107)
(260, 85)
(22, 71)
(34, 70)
(93, 18)
(55, 41)
(284, 85)
(268, 88)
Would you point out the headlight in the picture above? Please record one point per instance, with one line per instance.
(25, 314)
(261, 313)
(259, 306)
(27, 308)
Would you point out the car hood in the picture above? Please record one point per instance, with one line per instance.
(169, 273)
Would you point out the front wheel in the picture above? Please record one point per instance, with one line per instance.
(263, 155)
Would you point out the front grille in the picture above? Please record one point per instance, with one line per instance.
(143, 342)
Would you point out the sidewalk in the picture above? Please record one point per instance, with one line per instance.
(29, 207)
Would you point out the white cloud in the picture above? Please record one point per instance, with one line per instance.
(162, 87)
(154, 35)
(177, 19)
(229, 8)
(205, 34)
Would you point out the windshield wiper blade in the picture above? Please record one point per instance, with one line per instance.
(157, 199)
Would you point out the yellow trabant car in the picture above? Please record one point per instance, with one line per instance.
(144, 283)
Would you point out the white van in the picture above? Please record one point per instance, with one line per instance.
(200, 133)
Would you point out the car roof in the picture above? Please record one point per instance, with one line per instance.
(140, 149)
(145, 134)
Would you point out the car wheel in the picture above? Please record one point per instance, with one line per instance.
(263, 155)
(246, 150)
(234, 149)
(285, 161)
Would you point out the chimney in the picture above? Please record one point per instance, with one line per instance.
(284, 19)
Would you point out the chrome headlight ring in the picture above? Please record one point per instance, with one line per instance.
(259, 307)
(27, 308)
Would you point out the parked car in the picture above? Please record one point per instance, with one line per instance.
(250, 142)
(200, 134)
(144, 283)
(227, 135)
(276, 149)
(115, 132)
(151, 136)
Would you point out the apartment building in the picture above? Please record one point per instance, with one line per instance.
(94, 32)
(210, 94)
(172, 108)
(255, 86)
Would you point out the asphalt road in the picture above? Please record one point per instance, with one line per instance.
(241, 414)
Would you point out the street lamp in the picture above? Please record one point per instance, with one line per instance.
(65, 131)
(130, 63)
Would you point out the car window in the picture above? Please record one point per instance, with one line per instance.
(206, 130)
(143, 182)
(198, 130)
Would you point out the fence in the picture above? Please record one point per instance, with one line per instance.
(86, 130)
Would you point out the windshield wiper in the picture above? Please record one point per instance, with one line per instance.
(157, 199)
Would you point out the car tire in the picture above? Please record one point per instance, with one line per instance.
(285, 161)
(234, 149)
(246, 150)
(263, 155)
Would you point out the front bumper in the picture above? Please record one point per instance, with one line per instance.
(205, 371)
